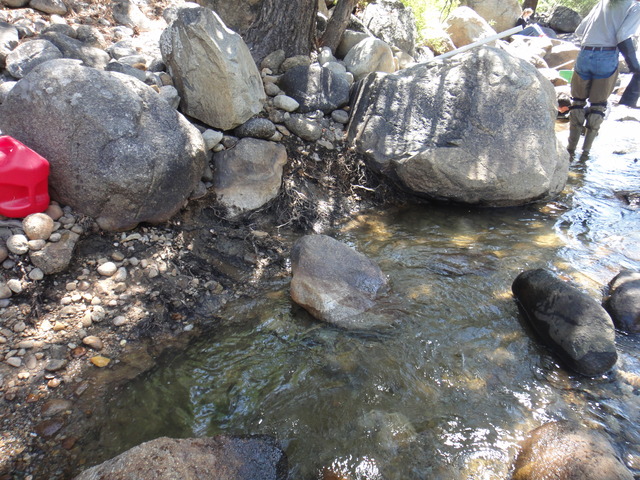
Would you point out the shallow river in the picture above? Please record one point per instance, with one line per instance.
(451, 387)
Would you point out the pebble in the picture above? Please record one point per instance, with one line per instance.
(153, 272)
(211, 138)
(30, 362)
(93, 342)
(5, 291)
(100, 361)
(19, 327)
(117, 256)
(15, 285)
(55, 364)
(119, 321)
(18, 244)
(98, 314)
(340, 116)
(38, 226)
(286, 103)
(48, 428)
(36, 245)
(36, 274)
(53, 383)
(54, 211)
(14, 361)
(55, 406)
(120, 275)
(4, 253)
(86, 320)
(55, 237)
(107, 269)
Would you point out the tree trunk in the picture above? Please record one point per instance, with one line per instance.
(337, 24)
(289, 25)
(532, 4)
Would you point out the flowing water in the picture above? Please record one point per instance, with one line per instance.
(458, 379)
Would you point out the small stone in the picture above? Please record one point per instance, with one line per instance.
(98, 314)
(120, 275)
(15, 285)
(211, 138)
(340, 116)
(5, 291)
(71, 286)
(69, 442)
(285, 103)
(31, 362)
(55, 237)
(272, 89)
(55, 364)
(54, 211)
(59, 326)
(14, 361)
(55, 406)
(8, 264)
(77, 229)
(107, 269)
(36, 245)
(48, 428)
(117, 256)
(38, 226)
(119, 321)
(19, 327)
(100, 361)
(93, 342)
(36, 274)
(4, 253)
(18, 244)
(153, 272)
(86, 320)
(53, 383)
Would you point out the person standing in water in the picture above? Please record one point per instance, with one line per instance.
(607, 30)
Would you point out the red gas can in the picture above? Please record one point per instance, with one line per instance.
(23, 179)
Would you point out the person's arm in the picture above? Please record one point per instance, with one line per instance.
(628, 50)
(631, 24)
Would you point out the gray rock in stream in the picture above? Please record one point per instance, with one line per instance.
(570, 322)
(624, 302)
(335, 283)
(221, 457)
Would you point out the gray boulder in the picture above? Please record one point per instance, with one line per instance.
(73, 48)
(566, 451)
(127, 13)
(9, 40)
(478, 128)
(307, 129)
(29, 55)
(256, 128)
(564, 19)
(14, 3)
(562, 55)
(315, 88)
(335, 283)
(368, 56)
(221, 457)
(623, 304)
(350, 39)
(248, 175)
(392, 22)
(212, 69)
(117, 151)
(501, 14)
(568, 321)
(465, 26)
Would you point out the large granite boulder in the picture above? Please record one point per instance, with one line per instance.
(564, 19)
(117, 151)
(248, 175)
(568, 321)
(369, 55)
(221, 457)
(315, 88)
(623, 303)
(566, 451)
(212, 68)
(465, 26)
(477, 128)
(334, 282)
(501, 14)
(392, 22)
(562, 55)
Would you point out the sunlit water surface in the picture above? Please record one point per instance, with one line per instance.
(448, 390)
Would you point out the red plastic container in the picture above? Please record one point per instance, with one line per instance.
(23, 179)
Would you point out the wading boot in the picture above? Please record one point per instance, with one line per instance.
(595, 117)
(577, 117)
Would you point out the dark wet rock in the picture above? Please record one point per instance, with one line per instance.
(248, 175)
(334, 282)
(55, 406)
(566, 451)
(458, 146)
(623, 303)
(119, 152)
(315, 88)
(564, 19)
(256, 128)
(48, 428)
(570, 322)
(221, 457)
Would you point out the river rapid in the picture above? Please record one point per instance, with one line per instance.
(457, 380)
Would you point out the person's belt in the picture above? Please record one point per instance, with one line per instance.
(600, 49)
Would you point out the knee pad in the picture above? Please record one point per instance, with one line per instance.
(595, 116)
(577, 113)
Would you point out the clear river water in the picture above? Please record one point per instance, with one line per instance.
(452, 386)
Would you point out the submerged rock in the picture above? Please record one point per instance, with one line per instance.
(624, 302)
(570, 322)
(565, 451)
(335, 283)
(221, 457)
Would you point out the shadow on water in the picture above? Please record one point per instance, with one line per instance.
(451, 386)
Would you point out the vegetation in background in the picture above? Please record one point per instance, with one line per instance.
(580, 6)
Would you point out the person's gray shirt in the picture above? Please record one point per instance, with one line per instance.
(609, 23)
